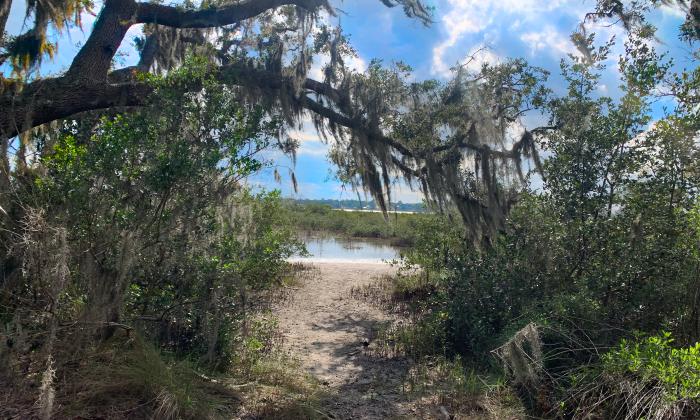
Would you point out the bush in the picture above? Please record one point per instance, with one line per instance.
(641, 378)
(655, 362)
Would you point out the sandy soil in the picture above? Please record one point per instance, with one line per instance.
(332, 334)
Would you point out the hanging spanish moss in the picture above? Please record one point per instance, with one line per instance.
(459, 142)
(27, 50)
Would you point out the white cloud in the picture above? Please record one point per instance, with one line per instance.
(128, 54)
(675, 12)
(310, 142)
(356, 63)
(465, 17)
(313, 148)
(304, 135)
(406, 195)
(478, 56)
(549, 40)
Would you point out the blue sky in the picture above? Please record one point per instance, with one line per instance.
(535, 30)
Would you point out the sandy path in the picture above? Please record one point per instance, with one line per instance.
(325, 328)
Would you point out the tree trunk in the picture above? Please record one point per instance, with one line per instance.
(4, 14)
(107, 289)
(4, 177)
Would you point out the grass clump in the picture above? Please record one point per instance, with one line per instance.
(438, 382)
(272, 384)
(460, 391)
(129, 378)
(278, 389)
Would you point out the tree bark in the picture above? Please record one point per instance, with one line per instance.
(86, 85)
(95, 58)
(48, 100)
(4, 14)
(107, 287)
(4, 175)
(213, 17)
(117, 16)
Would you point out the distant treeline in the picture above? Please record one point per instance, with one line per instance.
(317, 216)
(361, 205)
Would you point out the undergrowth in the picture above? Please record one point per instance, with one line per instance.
(128, 378)
(461, 391)
(645, 377)
(439, 381)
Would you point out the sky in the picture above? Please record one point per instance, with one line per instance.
(494, 29)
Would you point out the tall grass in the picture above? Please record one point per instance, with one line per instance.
(128, 378)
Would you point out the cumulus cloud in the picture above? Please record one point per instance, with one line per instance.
(310, 143)
(478, 56)
(355, 63)
(549, 40)
(464, 18)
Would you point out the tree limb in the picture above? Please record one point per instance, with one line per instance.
(213, 17)
(117, 16)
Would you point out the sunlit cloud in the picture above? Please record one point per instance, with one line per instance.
(549, 41)
(465, 21)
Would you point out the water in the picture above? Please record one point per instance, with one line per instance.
(331, 249)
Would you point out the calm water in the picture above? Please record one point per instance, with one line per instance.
(330, 249)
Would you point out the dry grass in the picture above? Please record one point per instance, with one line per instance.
(446, 387)
(127, 378)
(290, 281)
(436, 386)
(279, 389)
(616, 397)
(272, 384)
(397, 294)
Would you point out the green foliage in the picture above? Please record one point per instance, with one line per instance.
(247, 256)
(655, 360)
(399, 228)
(607, 245)
(423, 339)
(138, 219)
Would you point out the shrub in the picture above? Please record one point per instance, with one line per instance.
(641, 378)
(654, 361)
